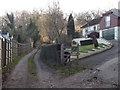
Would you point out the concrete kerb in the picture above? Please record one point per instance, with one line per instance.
(91, 53)
(97, 51)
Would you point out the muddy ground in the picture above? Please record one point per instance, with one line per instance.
(48, 78)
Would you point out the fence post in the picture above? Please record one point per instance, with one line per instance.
(3, 52)
(62, 54)
(0, 53)
(11, 50)
(7, 51)
(77, 51)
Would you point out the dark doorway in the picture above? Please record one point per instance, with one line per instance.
(93, 33)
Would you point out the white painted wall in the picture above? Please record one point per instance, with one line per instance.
(100, 33)
(83, 32)
(100, 40)
(77, 40)
(90, 29)
(116, 33)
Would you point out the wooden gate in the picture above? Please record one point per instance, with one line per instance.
(67, 52)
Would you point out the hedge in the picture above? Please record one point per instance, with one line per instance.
(50, 53)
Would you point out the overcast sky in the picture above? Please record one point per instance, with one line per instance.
(67, 6)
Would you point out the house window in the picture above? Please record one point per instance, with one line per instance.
(94, 28)
(86, 30)
(107, 21)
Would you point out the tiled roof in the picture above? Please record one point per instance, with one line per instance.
(93, 22)
(115, 12)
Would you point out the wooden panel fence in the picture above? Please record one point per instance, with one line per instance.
(10, 49)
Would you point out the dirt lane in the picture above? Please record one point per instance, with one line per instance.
(0, 79)
(85, 79)
(18, 78)
(47, 77)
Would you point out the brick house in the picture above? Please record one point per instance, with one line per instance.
(108, 25)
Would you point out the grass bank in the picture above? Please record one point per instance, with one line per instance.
(66, 71)
(86, 47)
(69, 69)
(89, 47)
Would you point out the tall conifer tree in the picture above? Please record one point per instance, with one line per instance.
(70, 26)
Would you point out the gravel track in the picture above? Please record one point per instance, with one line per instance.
(18, 78)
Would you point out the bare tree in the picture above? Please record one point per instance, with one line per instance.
(50, 24)
(84, 17)
(55, 22)
(22, 19)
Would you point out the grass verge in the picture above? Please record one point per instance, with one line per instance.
(77, 60)
(86, 47)
(31, 66)
(69, 70)
(89, 47)
(66, 71)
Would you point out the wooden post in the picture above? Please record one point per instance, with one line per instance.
(77, 51)
(3, 52)
(11, 50)
(62, 54)
(0, 53)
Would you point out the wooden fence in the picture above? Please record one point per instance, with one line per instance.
(9, 49)
(0, 51)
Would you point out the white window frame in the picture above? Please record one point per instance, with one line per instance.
(107, 21)
(98, 27)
